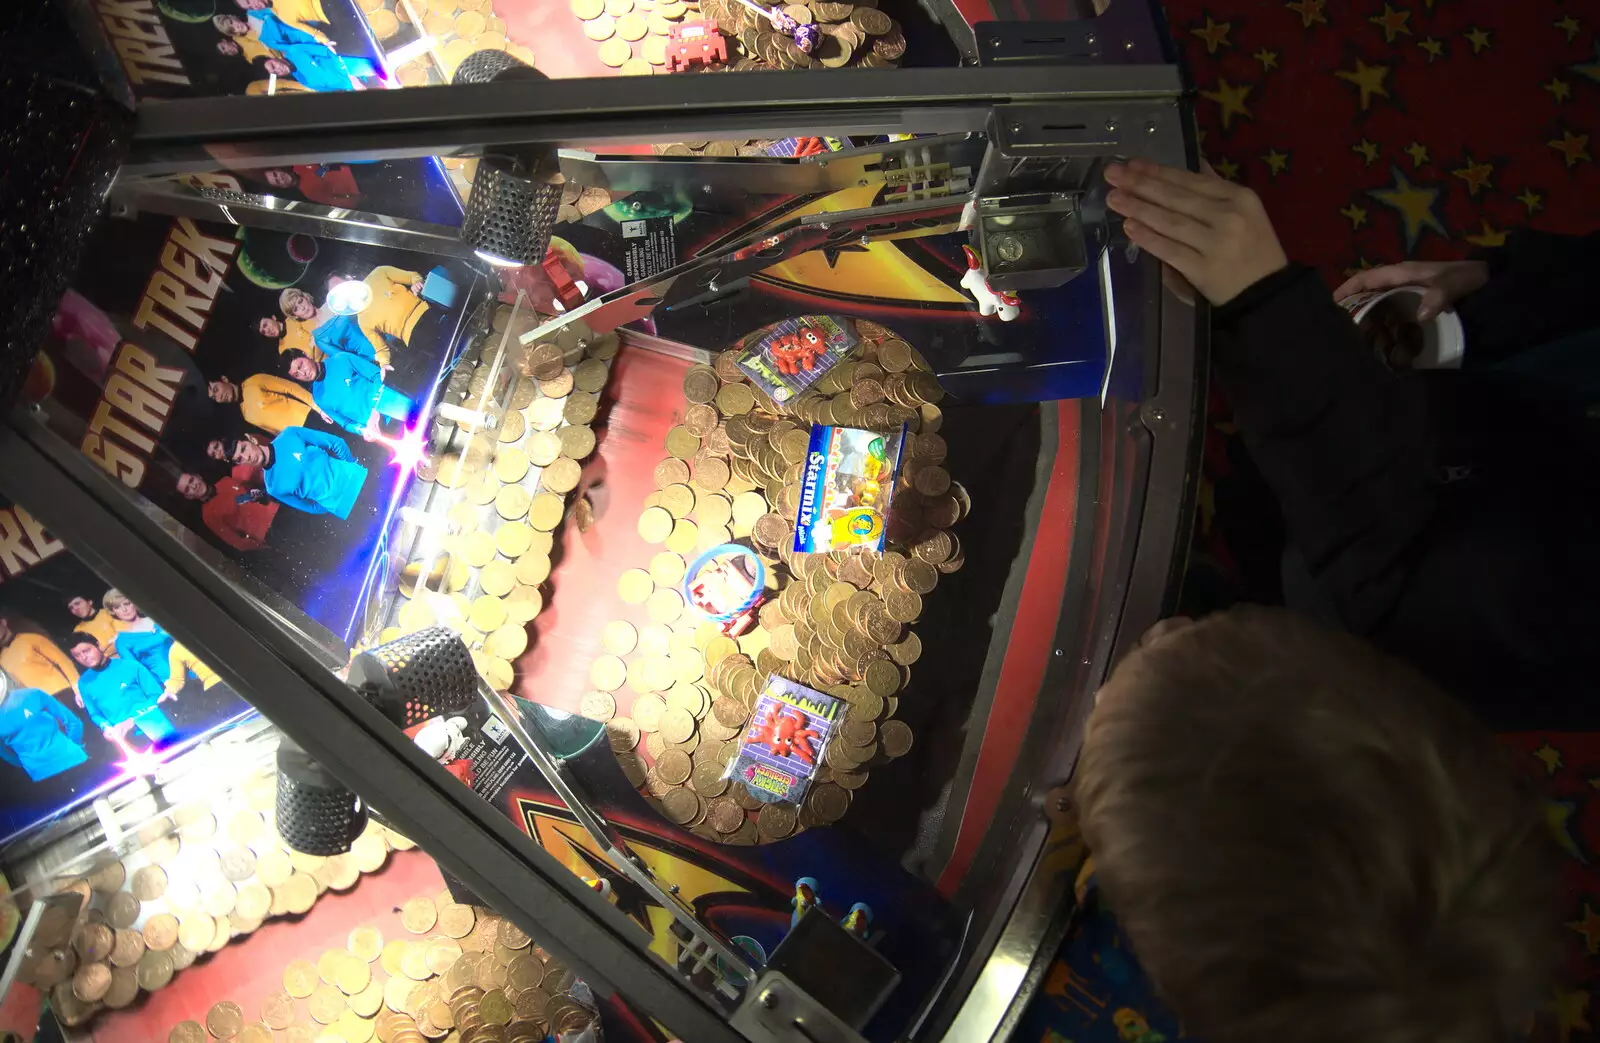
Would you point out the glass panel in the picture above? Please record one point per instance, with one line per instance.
(177, 871)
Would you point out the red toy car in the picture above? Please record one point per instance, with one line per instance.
(695, 43)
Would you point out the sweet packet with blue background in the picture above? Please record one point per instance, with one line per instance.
(784, 741)
(846, 488)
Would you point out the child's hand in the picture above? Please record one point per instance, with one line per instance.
(1214, 233)
(1446, 282)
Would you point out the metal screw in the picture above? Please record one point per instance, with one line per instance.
(1127, 45)
(994, 41)
(862, 183)
(1089, 38)
(1150, 128)
(1016, 128)
(769, 1000)
(1152, 414)
(1061, 651)
(673, 888)
(706, 189)
(865, 240)
(824, 226)
(1111, 126)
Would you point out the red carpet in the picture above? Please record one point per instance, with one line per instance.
(1379, 131)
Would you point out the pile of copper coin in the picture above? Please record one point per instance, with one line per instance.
(205, 875)
(857, 36)
(460, 972)
(839, 622)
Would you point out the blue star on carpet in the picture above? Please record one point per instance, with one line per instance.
(1414, 203)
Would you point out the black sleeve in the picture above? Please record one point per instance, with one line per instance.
(1343, 442)
(1541, 288)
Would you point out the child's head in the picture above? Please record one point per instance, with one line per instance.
(1308, 842)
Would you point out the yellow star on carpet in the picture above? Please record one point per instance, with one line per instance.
(1310, 12)
(1547, 754)
(1356, 214)
(1418, 153)
(1361, 265)
(1478, 38)
(1571, 1008)
(1277, 162)
(1574, 148)
(1414, 203)
(1392, 22)
(1368, 79)
(1232, 99)
(1590, 69)
(1268, 59)
(1559, 89)
(1366, 150)
(1226, 168)
(1588, 926)
(1213, 35)
(1570, 26)
(1476, 175)
(1433, 48)
(1532, 200)
(1558, 819)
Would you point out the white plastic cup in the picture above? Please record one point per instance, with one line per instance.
(1444, 342)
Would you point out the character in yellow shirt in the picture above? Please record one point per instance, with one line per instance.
(283, 85)
(296, 331)
(34, 661)
(97, 623)
(270, 402)
(393, 309)
(181, 663)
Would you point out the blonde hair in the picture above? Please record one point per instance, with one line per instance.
(1306, 841)
(113, 598)
(290, 294)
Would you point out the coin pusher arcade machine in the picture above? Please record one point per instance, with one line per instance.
(1071, 436)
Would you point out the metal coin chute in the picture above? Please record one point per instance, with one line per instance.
(416, 677)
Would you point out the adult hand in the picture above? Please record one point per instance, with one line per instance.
(1445, 281)
(1212, 232)
(167, 697)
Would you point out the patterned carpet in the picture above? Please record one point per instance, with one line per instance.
(1375, 132)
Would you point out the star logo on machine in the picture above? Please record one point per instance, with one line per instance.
(1574, 148)
(1368, 79)
(1414, 203)
(1476, 175)
(1488, 237)
(1432, 47)
(1232, 100)
(1478, 38)
(1532, 200)
(1366, 150)
(1310, 12)
(1392, 22)
(1226, 168)
(1213, 35)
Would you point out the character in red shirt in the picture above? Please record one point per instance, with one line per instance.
(331, 184)
(236, 508)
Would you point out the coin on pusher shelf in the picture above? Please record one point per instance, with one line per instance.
(587, 9)
(607, 673)
(635, 586)
(598, 706)
(577, 441)
(544, 514)
(619, 637)
(225, 1019)
(614, 52)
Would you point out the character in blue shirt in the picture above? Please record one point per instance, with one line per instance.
(38, 734)
(348, 390)
(316, 65)
(309, 470)
(120, 694)
(343, 335)
(149, 649)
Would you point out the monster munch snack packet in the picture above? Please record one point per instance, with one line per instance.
(783, 743)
